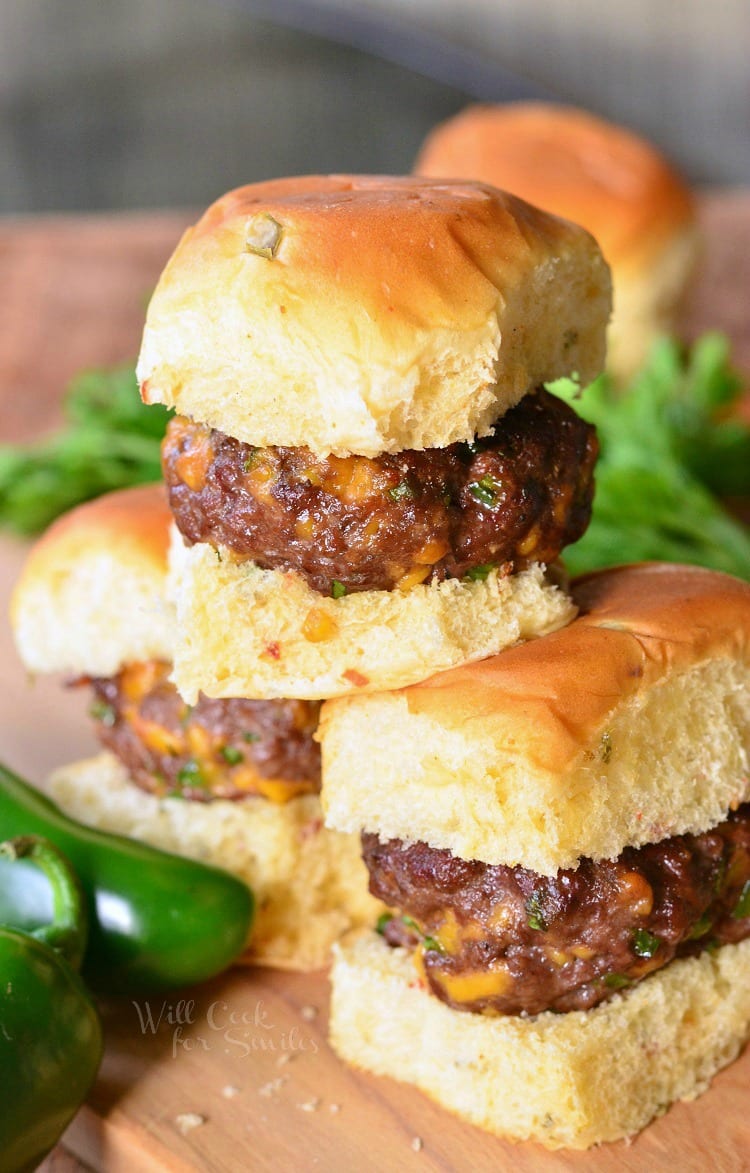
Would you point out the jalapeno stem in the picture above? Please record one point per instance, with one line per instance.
(68, 930)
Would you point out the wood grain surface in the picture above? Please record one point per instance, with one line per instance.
(237, 1075)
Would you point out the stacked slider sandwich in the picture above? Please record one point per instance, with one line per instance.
(233, 782)
(598, 174)
(367, 476)
(562, 834)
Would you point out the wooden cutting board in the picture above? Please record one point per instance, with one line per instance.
(237, 1075)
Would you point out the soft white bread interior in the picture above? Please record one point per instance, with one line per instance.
(91, 595)
(247, 632)
(367, 314)
(597, 174)
(565, 1080)
(310, 884)
(630, 725)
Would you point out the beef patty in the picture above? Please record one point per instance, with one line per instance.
(354, 524)
(501, 940)
(213, 749)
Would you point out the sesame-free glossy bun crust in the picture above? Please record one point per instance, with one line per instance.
(629, 725)
(394, 313)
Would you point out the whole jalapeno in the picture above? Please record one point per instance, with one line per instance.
(50, 1033)
(156, 921)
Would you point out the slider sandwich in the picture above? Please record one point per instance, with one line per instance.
(367, 475)
(562, 836)
(598, 174)
(232, 782)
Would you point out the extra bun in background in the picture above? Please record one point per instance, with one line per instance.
(597, 174)
(366, 314)
(561, 962)
(91, 602)
(629, 725)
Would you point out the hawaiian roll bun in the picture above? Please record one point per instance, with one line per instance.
(369, 314)
(630, 725)
(599, 175)
(91, 595)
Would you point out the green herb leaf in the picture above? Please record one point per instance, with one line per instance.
(700, 928)
(431, 945)
(109, 440)
(231, 755)
(480, 573)
(401, 492)
(250, 737)
(667, 447)
(382, 922)
(645, 944)
(617, 981)
(102, 712)
(338, 590)
(191, 774)
(535, 914)
(486, 490)
(742, 907)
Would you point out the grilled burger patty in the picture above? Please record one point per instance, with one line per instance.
(351, 523)
(500, 940)
(213, 749)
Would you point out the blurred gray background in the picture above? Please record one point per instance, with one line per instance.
(150, 103)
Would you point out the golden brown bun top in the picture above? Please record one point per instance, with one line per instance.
(370, 313)
(402, 243)
(571, 163)
(91, 596)
(638, 625)
(136, 518)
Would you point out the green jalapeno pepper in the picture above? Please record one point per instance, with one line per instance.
(50, 1033)
(157, 921)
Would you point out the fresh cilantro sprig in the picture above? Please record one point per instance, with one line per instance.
(669, 444)
(109, 440)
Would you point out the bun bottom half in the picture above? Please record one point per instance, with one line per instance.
(564, 1080)
(310, 884)
(247, 632)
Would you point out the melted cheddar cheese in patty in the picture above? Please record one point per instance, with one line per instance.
(213, 749)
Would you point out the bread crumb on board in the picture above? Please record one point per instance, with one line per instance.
(310, 1105)
(187, 1121)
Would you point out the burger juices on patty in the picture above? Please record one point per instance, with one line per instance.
(350, 524)
(501, 940)
(213, 749)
